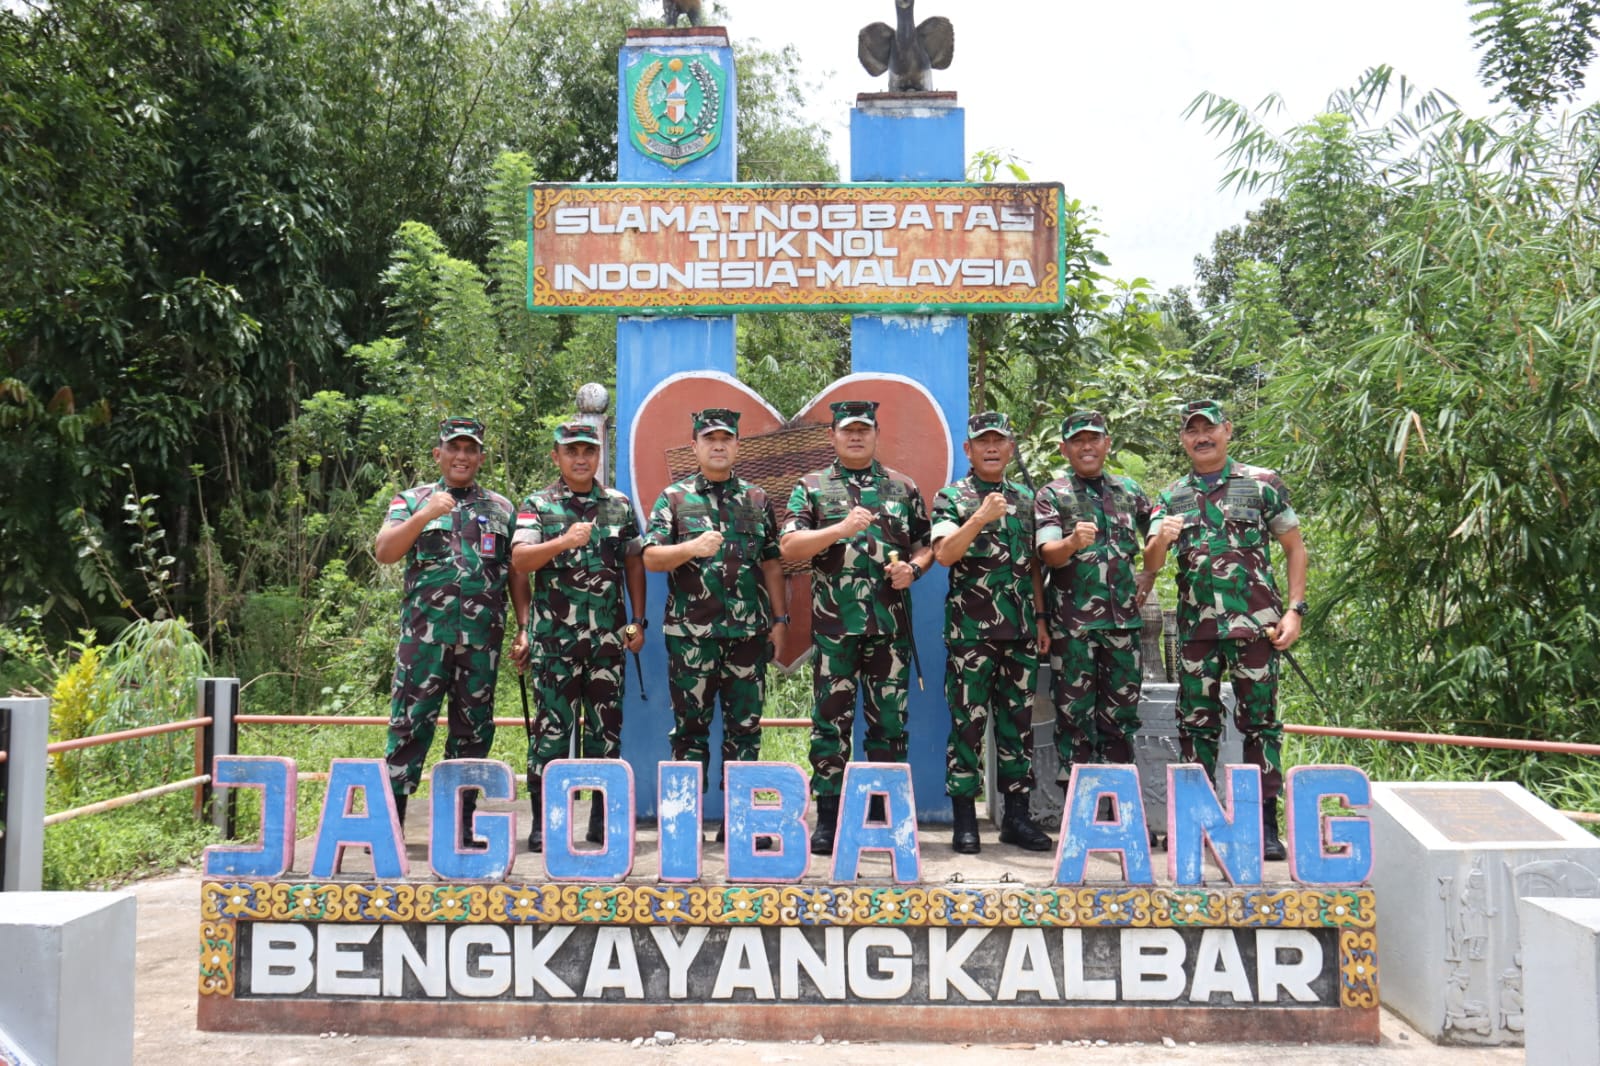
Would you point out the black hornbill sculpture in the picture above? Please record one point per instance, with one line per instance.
(909, 52)
(671, 9)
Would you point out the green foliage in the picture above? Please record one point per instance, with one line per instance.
(76, 703)
(775, 142)
(113, 848)
(26, 663)
(1535, 52)
(1435, 409)
(786, 358)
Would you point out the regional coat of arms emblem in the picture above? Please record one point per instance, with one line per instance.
(676, 106)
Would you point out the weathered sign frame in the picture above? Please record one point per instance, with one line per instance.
(228, 908)
(1045, 202)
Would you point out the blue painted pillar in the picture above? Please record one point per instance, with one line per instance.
(918, 137)
(650, 349)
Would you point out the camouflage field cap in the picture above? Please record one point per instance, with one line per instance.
(451, 428)
(715, 418)
(989, 422)
(1210, 410)
(851, 412)
(577, 433)
(1084, 422)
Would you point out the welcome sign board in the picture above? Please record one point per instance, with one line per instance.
(643, 249)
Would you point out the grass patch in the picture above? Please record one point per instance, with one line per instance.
(129, 843)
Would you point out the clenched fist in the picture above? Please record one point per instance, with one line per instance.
(707, 544)
(857, 520)
(579, 533)
(992, 507)
(438, 505)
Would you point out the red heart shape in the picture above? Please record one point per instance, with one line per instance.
(914, 439)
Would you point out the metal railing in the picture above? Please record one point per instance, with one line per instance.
(24, 729)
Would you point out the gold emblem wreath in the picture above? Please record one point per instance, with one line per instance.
(642, 114)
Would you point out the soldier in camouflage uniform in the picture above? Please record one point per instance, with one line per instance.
(994, 624)
(453, 535)
(716, 537)
(847, 517)
(1223, 517)
(580, 541)
(1091, 529)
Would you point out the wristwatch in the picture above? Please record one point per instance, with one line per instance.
(1301, 608)
(642, 623)
(916, 571)
(780, 619)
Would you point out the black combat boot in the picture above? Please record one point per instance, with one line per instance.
(1017, 828)
(597, 819)
(536, 804)
(965, 838)
(827, 825)
(469, 806)
(400, 809)
(1272, 849)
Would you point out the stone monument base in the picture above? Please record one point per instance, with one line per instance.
(975, 955)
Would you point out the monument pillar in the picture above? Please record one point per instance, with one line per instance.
(650, 349)
(896, 137)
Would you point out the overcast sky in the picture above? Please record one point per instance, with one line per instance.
(1092, 94)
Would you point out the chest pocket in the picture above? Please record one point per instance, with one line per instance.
(894, 505)
(833, 503)
(1243, 525)
(433, 544)
(1120, 518)
(1241, 512)
(987, 543)
(613, 515)
(747, 520)
(693, 520)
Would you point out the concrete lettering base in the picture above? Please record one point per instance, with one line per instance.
(1561, 956)
(66, 986)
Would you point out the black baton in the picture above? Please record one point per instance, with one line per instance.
(527, 722)
(1044, 571)
(911, 629)
(1022, 467)
(1295, 663)
(628, 631)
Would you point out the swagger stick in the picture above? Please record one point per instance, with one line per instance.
(911, 631)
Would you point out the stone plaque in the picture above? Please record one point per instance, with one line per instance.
(1477, 816)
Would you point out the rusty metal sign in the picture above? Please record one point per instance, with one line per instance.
(664, 249)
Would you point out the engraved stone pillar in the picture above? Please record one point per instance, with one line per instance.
(1452, 859)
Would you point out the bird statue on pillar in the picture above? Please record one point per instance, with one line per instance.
(910, 53)
(671, 9)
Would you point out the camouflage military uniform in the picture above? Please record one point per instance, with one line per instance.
(989, 631)
(717, 614)
(1094, 620)
(1226, 599)
(858, 621)
(575, 621)
(451, 624)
